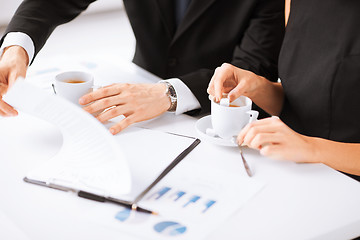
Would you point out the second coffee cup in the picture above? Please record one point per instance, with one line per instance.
(73, 85)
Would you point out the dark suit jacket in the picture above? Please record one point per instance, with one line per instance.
(246, 33)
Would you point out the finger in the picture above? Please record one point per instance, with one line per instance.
(238, 91)
(274, 151)
(221, 75)
(13, 76)
(113, 112)
(272, 122)
(255, 131)
(264, 139)
(3, 88)
(127, 121)
(210, 89)
(7, 109)
(99, 94)
(102, 104)
(3, 114)
(263, 125)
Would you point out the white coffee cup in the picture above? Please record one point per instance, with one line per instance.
(73, 85)
(228, 121)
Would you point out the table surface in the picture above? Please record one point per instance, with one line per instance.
(300, 201)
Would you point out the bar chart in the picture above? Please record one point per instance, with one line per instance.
(181, 200)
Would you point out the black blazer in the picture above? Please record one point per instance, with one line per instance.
(246, 33)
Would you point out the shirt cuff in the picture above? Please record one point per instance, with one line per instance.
(186, 100)
(19, 39)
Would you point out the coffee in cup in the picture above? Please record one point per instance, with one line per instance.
(228, 119)
(73, 85)
(74, 81)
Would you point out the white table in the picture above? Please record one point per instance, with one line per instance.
(300, 201)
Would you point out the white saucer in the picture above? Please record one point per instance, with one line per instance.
(204, 123)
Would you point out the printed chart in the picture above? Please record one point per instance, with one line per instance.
(170, 228)
(182, 200)
(189, 205)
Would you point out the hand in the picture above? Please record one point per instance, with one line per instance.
(137, 102)
(234, 81)
(13, 64)
(276, 140)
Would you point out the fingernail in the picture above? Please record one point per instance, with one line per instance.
(112, 131)
(81, 101)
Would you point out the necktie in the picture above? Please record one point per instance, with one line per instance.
(180, 9)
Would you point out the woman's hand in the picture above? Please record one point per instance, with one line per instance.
(238, 82)
(233, 81)
(137, 102)
(276, 140)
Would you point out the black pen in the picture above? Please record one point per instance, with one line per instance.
(92, 196)
(126, 204)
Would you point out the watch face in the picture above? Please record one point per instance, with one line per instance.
(172, 91)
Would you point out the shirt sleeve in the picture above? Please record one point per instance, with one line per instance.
(19, 39)
(186, 100)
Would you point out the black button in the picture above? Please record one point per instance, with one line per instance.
(172, 62)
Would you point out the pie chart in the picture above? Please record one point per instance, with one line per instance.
(126, 215)
(170, 228)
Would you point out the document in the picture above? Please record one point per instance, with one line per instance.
(90, 158)
(192, 202)
(148, 153)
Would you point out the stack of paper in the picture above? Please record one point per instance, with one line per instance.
(90, 158)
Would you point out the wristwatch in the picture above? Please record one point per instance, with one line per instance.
(171, 93)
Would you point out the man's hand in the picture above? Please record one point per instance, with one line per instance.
(137, 102)
(13, 64)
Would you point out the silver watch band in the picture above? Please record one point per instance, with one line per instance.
(171, 93)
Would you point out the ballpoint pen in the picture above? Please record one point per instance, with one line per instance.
(126, 204)
(92, 196)
(133, 205)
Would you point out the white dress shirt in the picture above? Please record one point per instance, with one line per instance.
(19, 39)
(186, 100)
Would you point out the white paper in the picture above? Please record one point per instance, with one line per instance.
(192, 201)
(148, 153)
(90, 159)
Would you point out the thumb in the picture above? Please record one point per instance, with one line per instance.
(3, 89)
(238, 91)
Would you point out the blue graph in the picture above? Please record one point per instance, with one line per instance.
(182, 199)
(176, 196)
(170, 228)
(193, 199)
(160, 193)
(208, 205)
